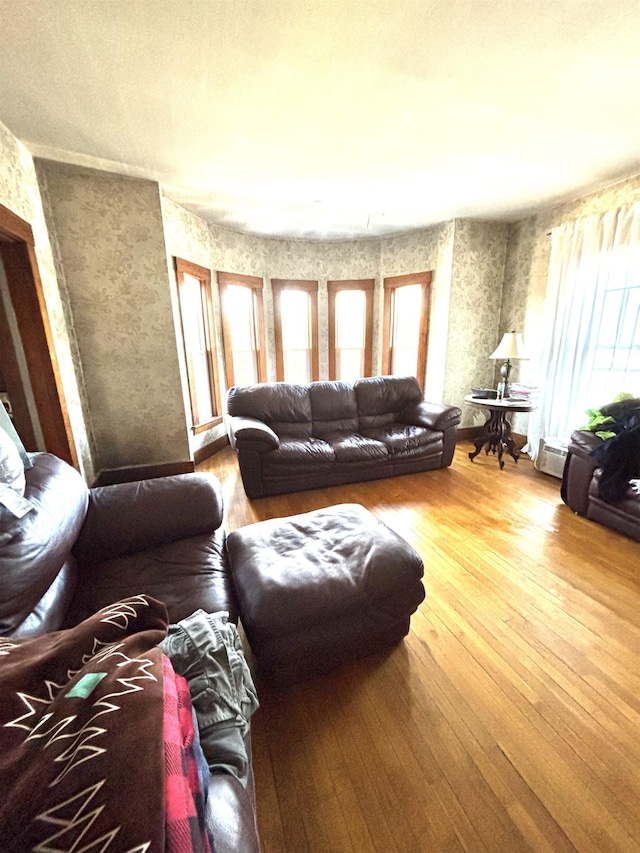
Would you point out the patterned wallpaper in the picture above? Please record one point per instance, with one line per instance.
(109, 229)
(20, 193)
(479, 252)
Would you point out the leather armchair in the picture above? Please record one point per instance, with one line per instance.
(580, 488)
(81, 549)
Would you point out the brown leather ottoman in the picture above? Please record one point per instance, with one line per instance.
(318, 589)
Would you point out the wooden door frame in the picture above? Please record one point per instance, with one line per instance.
(18, 255)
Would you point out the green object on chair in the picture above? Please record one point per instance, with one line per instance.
(597, 419)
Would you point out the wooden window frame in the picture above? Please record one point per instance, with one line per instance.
(278, 285)
(391, 284)
(204, 276)
(256, 284)
(333, 288)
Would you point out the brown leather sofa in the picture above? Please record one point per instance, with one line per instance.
(581, 488)
(295, 437)
(81, 549)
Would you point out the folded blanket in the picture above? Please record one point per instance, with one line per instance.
(81, 737)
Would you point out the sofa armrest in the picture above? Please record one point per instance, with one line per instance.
(130, 517)
(432, 415)
(252, 434)
(582, 443)
(231, 816)
(579, 469)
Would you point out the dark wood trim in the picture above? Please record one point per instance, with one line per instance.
(111, 476)
(210, 449)
(333, 288)
(467, 433)
(256, 284)
(311, 287)
(253, 281)
(208, 425)
(390, 284)
(423, 334)
(17, 251)
(471, 433)
(14, 385)
(13, 228)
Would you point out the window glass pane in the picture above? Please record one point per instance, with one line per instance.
(295, 314)
(297, 367)
(196, 343)
(239, 312)
(350, 364)
(294, 309)
(405, 329)
(350, 310)
(350, 318)
(616, 354)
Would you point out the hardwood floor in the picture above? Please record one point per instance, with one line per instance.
(508, 719)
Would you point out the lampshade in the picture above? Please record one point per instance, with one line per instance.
(511, 346)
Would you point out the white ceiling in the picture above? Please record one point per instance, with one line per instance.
(315, 118)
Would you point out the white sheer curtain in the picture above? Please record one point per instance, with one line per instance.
(591, 349)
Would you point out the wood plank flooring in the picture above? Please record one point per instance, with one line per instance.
(508, 720)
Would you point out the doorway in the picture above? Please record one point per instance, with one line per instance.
(29, 366)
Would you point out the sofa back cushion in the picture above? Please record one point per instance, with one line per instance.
(381, 399)
(283, 406)
(333, 407)
(36, 569)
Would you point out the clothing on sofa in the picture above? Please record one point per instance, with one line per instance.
(619, 455)
(184, 813)
(206, 649)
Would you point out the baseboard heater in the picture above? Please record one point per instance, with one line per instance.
(552, 454)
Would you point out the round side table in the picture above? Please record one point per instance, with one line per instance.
(496, 433)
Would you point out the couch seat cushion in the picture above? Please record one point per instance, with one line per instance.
(403, 439)
(302, 450)
(356, 448)
(184, 575)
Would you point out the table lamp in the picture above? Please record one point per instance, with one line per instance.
(511, 347)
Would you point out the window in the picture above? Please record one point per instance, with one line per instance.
(295, 307)
(406, 325)
(616, 358)
(196, 314)
(589, 348)
(242, 329)
(350, 329)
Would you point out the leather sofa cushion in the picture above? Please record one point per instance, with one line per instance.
(306, 450)
(185, 575)
(356, 448)
(402, 439)
(283, 406)
(333, 407)
(380, 402)
(35, 548)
